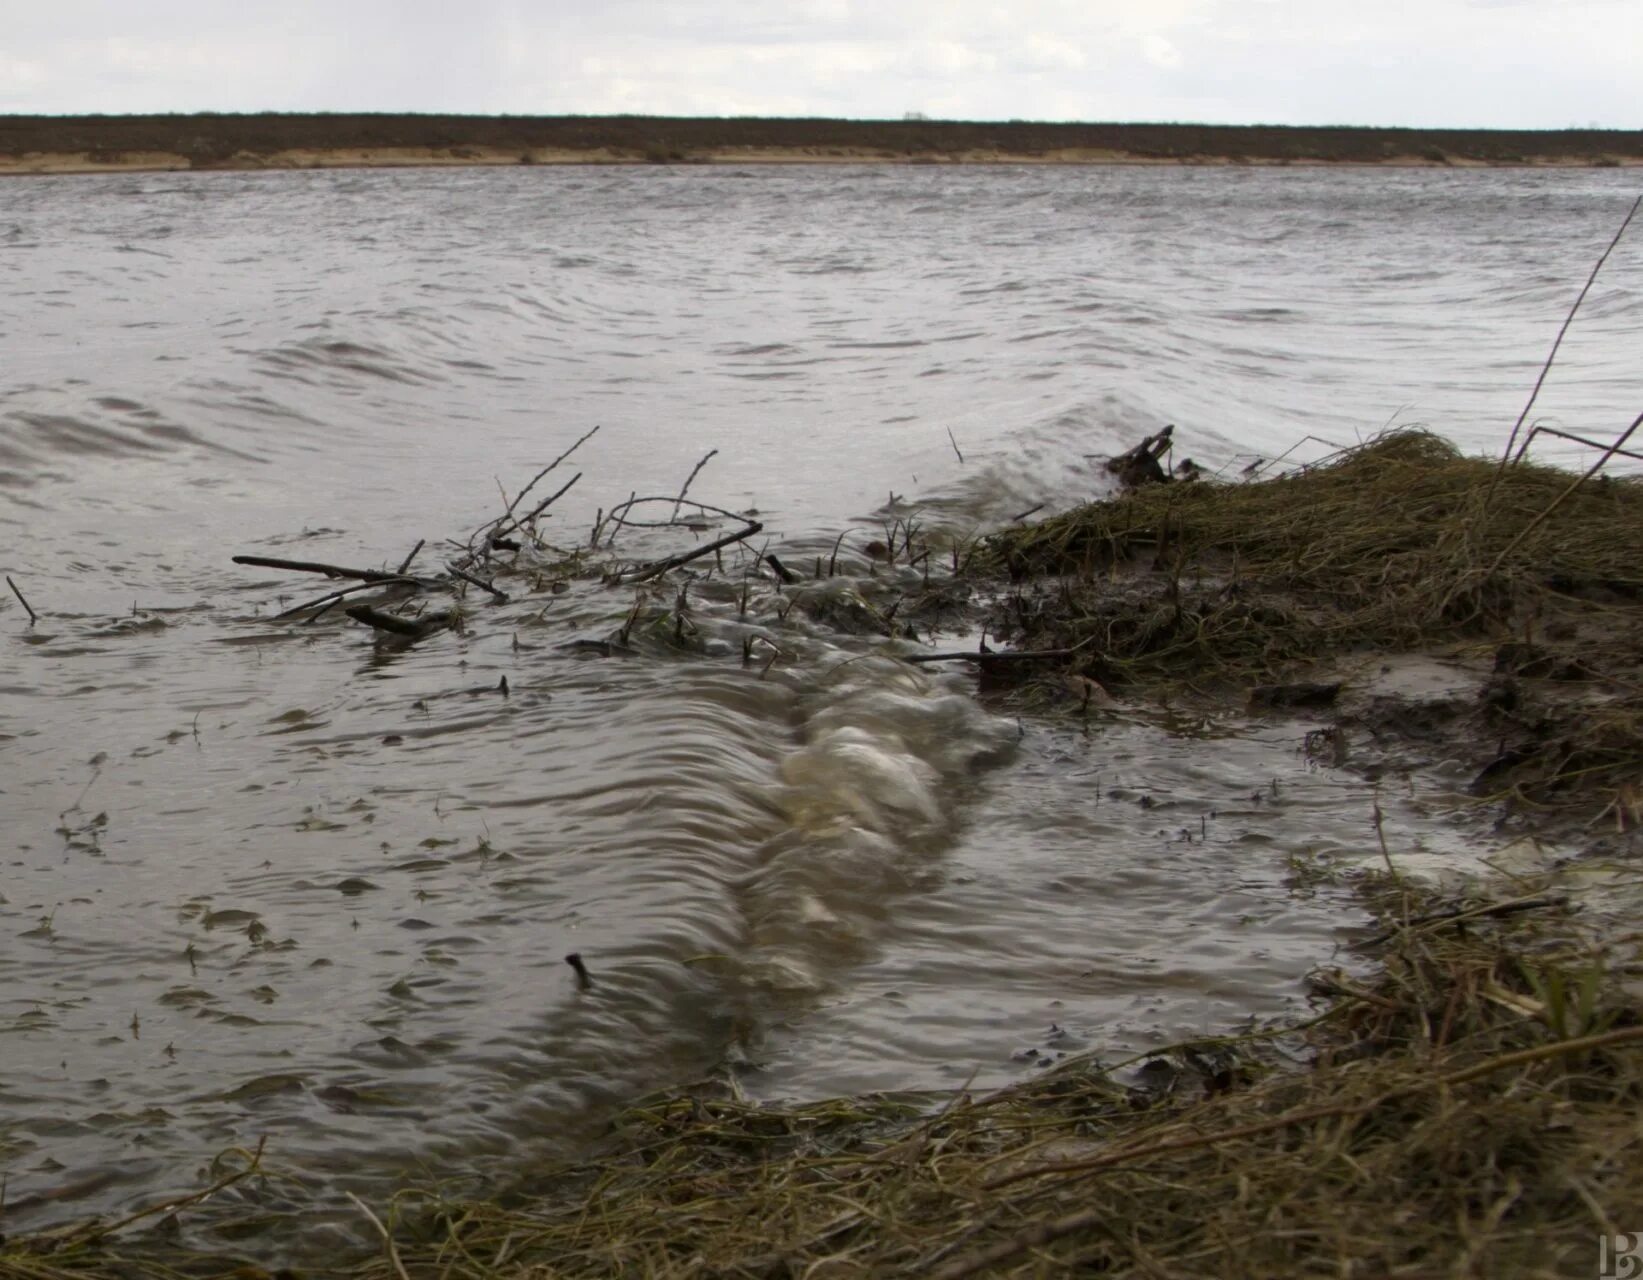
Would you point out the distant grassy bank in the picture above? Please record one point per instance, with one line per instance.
(59, 144)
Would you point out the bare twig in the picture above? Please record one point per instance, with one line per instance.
(1506, 454)
(329, 570)
(690, 479)
(1538, 430)
(620, 510)
(33, 617)
(501, 596)
(659, 567)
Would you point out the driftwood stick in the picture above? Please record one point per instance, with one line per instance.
(620, 510)
(992, 655)
(507, 525)
(501, 596)
(33, 617)
(690, 479)
(406, 563)
(413, 628)
(329, 600)
(520, 496)
(504, 523)
(542, 506)
(656, 568)
(314, 566)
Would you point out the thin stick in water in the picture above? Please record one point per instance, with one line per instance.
(689, 480)
(33, 617)
(1569, 319)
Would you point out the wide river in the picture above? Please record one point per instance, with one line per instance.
(261, 879)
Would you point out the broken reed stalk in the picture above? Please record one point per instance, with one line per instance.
(17, 591)
(1546, 368)
(329, 570)
(388, 1247)
(691, 479)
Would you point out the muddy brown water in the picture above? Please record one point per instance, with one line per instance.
(269, 880)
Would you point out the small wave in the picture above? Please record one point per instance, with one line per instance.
(301, 359)
(762, 349)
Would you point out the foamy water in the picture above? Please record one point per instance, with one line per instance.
(265, 879)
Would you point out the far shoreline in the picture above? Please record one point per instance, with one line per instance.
(174, 143)
(41, 164)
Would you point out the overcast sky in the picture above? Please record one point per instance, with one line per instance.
(1490, 63)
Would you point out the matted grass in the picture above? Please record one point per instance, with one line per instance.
(1400, 545)
(1471, 1108)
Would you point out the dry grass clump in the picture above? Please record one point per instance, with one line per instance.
(1401, 543)
(1470, 1109)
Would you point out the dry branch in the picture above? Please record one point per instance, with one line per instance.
(658, 567)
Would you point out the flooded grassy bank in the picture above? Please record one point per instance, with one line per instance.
(1462, 1099)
